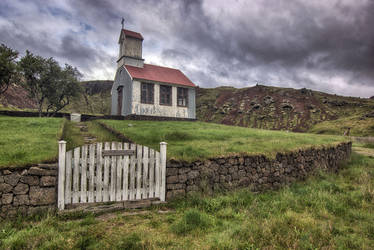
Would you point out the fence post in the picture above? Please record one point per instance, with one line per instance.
(163, 170)
(61, 175)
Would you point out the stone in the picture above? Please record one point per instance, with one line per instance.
(184, 170)
(42, 196)
(193, 174)
(244, 181)
(40, 171)
(171, 171)
(21, 188)
(172, 179)
(1, 179)
(6, 172)
(6, 199)
(5, 188)
(31, 180)
(192, 188)
(182, 178)
(48, 181)
(22, 199)
(175, 193)
(176, 186)
(12, 179)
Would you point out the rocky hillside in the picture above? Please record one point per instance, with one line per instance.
(277, 108)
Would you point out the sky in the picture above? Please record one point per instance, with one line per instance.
(324, 45)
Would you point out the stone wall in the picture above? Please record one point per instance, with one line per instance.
(28, 190)
(256, 172)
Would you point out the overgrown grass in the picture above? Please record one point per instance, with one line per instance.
(359, 126)
(198, 140)
(329, 211)
(28, 140)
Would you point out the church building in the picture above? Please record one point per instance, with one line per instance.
(145, 89)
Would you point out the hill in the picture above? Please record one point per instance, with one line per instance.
(279, 108)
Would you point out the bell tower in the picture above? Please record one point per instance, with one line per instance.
(130, 48)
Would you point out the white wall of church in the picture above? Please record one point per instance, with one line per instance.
(156, 109)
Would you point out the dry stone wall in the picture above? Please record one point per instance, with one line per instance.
(32, 189)
(256, 172)
(28, 190)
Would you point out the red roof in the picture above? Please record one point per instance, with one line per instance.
(159, 74)
(133, 34)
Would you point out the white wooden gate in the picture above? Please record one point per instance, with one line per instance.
(115, 171)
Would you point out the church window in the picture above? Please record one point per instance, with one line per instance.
(165, 95)
(182, 97)
(147, 95)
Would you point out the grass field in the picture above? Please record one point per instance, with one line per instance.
(28, 140)
(328, 211)
(359, 127)
(198, 140)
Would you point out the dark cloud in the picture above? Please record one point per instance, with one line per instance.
(324, 45)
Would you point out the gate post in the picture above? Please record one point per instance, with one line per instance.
(163, 170)
(61, 175)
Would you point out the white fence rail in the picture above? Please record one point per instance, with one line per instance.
(113, 171)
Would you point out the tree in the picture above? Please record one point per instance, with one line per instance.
(8, 67)
(48, 83)
(64, 89)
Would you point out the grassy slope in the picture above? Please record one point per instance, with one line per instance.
(359, 126)
(327, 211)
(28, 140)
(199, 140)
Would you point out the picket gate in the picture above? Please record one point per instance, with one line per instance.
(110, 171)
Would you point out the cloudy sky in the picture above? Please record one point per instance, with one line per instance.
(325, 45)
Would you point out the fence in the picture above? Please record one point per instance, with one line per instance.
(115, 171)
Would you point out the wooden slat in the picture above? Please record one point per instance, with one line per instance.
(151, 173)
(139, 153)
(91, 178)
(61, 175)
(118, 152)
(106, 175)
(76, 175)
(157, 175)
(99, 172)
(132, 174)
(125, 180)
(145, 173)
(163, 146)
(113, 172)
(68, 177)
(84, 175)
(119, 174)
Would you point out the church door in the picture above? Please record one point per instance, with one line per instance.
(120, 100)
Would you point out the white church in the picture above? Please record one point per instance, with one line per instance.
(150, 90)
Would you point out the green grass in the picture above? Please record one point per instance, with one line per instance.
(328, 211)
(28, 140)
(198, 140)
(359, 126)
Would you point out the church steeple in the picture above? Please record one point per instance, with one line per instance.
(130, 48)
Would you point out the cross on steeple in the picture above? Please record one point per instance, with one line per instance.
(123, 22)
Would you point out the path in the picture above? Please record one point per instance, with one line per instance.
(87, 137)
